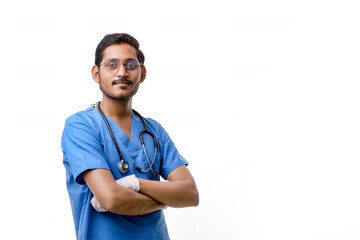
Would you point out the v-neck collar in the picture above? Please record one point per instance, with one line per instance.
(120, 134)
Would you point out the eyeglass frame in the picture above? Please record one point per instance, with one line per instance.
(123, 63)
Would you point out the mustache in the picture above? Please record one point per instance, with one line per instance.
(121, 80)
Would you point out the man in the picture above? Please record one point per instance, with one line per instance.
(114, 184)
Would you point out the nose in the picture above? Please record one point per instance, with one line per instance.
(122, 70)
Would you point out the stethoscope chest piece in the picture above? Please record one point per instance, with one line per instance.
(123, 166)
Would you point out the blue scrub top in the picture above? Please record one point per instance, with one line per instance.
(87, 144)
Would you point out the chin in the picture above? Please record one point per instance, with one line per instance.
(119, 97)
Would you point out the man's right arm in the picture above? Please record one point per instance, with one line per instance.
(118, 199)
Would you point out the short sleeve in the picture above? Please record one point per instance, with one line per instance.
(82, 148)
(171, 158)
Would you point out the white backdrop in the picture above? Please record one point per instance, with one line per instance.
(261, 97)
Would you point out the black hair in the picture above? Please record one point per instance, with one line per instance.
(117, 38)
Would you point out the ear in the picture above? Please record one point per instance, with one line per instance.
(95, 73)
(143, 73)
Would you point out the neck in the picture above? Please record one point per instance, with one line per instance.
(116, 108)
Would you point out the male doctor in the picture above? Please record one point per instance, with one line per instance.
(108, 202)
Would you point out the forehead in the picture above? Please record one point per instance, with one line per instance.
(119, 51)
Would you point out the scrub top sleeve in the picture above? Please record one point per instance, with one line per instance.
(171, 158)
(82, 147)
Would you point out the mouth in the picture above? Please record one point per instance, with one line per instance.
(121, 82)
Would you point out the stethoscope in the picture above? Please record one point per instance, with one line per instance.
(123, 165)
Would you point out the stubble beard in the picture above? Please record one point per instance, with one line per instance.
(120, 97)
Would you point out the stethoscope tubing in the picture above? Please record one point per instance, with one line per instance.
(123, 165)
(110, 131)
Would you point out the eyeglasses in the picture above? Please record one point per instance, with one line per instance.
(113, 65)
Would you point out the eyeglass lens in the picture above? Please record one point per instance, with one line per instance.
(113, 65)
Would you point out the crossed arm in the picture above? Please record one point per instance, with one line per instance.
(179, 191)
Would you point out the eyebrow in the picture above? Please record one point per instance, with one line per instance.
(117, 59)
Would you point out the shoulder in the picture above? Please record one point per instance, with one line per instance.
(153, 123)
(81, 127)
(84, 121)
(84, 116)
(155, 127)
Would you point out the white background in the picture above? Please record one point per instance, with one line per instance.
(261, 97)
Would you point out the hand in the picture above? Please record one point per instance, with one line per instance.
(94, 202)
(130, 181)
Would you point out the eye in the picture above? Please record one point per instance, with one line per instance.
(131, 65)
(112, 65)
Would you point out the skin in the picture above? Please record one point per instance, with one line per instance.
(179, 191)
(117, 97)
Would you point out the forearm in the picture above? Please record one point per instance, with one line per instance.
(116, 198)
(129, 202)
(181, 193)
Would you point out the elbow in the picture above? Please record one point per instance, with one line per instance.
(196, 198)
(193, 197)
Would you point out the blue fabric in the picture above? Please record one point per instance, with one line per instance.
(87, 144)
